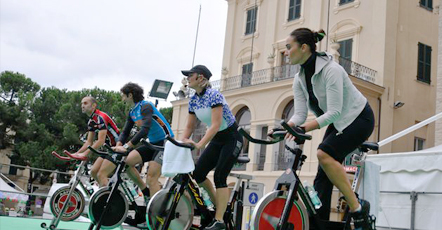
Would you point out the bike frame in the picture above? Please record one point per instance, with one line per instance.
(73, 182)
(185, 182)
(290, 179)
(116, 181)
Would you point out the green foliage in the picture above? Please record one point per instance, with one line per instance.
(38, 121)
(167, 113)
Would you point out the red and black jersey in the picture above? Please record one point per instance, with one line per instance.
(101, 121)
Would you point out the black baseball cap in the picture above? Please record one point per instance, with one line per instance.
(200, 69)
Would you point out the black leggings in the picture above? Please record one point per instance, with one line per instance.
(221, 153)
(338, 146)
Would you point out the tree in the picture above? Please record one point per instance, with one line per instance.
(49, 119)
(167, 113)
(16, 95)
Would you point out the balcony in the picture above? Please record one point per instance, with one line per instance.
(357, 70)
(256, 78)
(285, 72)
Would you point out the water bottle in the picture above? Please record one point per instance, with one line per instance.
(133, 189)
(88, 186)
(206, 199)
(313, 195)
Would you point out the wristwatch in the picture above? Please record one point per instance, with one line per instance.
(126, 146)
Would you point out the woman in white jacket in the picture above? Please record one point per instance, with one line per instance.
(323, 87)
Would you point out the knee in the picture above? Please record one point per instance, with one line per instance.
(152, 177)
(323, 157)
(199, 178)
(220, 180)
(101, 174)
(94, 172)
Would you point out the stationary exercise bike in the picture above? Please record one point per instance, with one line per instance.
(68, 202)
(282, 208)
(109, 206)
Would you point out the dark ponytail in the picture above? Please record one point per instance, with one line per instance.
(307, 36)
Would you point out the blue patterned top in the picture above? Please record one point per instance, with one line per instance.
(201, 106)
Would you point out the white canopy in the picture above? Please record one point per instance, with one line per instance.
(6, 191)
(400, 174)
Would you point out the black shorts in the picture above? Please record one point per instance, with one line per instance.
(339, 145)
(148, 154)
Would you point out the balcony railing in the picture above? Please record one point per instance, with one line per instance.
(285, 72)
(256, 78)
(358, 70)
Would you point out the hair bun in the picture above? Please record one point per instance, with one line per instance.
(318, 36)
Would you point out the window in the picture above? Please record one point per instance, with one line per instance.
(342, 2)
(427, 4)
(198, 134)
(294, 10)
(284, 156)
(246, 78)
(251, 20)
(345, 50)
(419, 143)
(263, 149)
(243, 117)
(424, 63)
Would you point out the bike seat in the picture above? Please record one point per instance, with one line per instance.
(366, 146)
(243, 160)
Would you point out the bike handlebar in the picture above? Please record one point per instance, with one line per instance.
(151, 146)
(183, 145)
(296, 132)
(279, 134)
(257, 141)
(74, 157)
(61, 157)
(99, 153)
(109, 148)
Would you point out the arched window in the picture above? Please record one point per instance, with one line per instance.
(198, 134)
(288, 111)
(243, 118)
(284, 156)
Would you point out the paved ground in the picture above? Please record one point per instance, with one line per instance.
(20, 223)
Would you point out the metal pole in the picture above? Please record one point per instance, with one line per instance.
(32, 168)
(413, 197)
(196, 38)
(410, 129)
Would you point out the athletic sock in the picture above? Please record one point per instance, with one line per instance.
(358, 209)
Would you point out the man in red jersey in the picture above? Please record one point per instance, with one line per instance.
(99, 122)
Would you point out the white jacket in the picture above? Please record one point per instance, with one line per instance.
(336, 94)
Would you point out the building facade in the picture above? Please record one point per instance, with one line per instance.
(438, 136)
(389, 49)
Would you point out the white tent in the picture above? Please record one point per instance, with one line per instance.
(6, 191)
(398, 175)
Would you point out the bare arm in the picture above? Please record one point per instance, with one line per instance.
(101, 139)
(190, 126)
(89, 141)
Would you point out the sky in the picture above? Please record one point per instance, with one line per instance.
(86, 44)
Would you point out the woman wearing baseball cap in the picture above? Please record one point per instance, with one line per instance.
(224, 142)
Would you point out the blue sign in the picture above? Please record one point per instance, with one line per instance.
(253, 198)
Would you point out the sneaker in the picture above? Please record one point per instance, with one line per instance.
(216, 225)
(361, 219)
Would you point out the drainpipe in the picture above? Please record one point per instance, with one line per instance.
(379, 120)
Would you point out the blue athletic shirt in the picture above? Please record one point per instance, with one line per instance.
(152, 123)
(201, 105)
